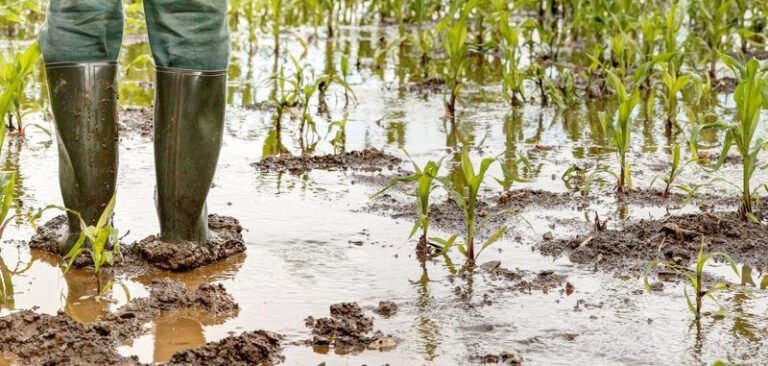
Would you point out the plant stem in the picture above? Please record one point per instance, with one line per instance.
(622, 173)
(471, 232)
(746, 199)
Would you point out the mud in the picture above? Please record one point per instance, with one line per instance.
(346, 330)
(503, 358)
(386, 309)
(526, 281)
(676, 238)
(136, 120)
(431, 85)
(41, 339)
(446, 215)
(225, 241)
(366, 160)
(51, 236)
(249, 348)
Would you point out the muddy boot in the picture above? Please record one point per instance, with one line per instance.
(189, 123)
(84, 105)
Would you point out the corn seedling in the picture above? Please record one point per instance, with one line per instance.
(619, 129)
(512, 75)
(454, 38)
(426, 183)
(674, 172)
(100, 241)
(14, 72)
(695, 278)
(746, 133)
(673, 84)
(466, 198)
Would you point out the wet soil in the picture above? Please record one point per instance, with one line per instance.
(249, 348)
(136, 119)
(51, 236)
(525, 281)
(446, 215)
(225, 241)
(676, 238)
(386, 308)
(503, 358)
(42, 339)
(373, 160)
(430, 85)
(346, 330)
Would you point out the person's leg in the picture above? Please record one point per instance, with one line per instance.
(80, 42)
(190, 44)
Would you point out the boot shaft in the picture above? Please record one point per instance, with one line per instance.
(84, 106)
(189, 124)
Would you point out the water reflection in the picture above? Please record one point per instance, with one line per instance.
(428, 329)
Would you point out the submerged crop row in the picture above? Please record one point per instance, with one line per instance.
(555, 54)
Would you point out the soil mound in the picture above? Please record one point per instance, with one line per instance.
(346, 330)
(41, 339)
(676, 238)
(249, 348)
(226, 240)
(368, 160)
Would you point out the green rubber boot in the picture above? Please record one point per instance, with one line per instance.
(189, 124)
(84, 105)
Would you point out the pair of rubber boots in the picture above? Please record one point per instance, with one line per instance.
(188, 128)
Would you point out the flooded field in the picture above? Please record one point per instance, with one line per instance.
(563, 285)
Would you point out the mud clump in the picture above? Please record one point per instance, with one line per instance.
(346, 330)
(51, 236)
(226, 240)
(386, 308)
(676, 238)
(367, 160)
(41, 339)
(249, 348)
(504, 358)
(167, 295)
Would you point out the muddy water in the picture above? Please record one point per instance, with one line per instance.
(300, 232)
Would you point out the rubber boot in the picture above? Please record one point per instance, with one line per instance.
(189, 124)
(84, 105)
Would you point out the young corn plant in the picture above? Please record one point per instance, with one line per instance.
(512, 75)
(454, 38)
(695, 278)
(673, 84)
(426, 182)
(619, 129)
(674, 172)
(100, 241)
(14, 72)
(466, 198)
(746, 133)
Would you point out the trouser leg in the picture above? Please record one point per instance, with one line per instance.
(82, 31)
(190, 44)
(80, 43)
(188, 34)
